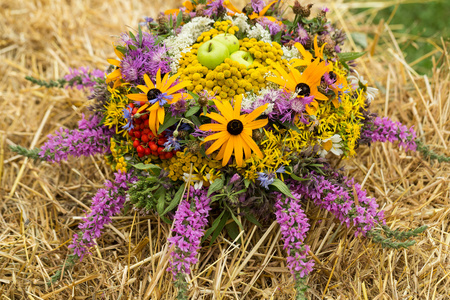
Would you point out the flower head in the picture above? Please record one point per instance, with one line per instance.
(156, 95)
(304, 84)
(234, 131)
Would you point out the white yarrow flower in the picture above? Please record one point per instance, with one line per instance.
(239, 20)
(258, 32)
(182, 42)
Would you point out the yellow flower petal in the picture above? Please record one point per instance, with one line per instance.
(228, 150)
(254, 114)
(223, 139)
(137, 97)
(148, 82)
(257, 124)
(213, 127)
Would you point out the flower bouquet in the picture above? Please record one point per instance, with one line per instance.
(210, 115)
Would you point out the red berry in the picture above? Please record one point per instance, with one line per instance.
(145, 116)
(131, 105)
(161, 156)
(137, 122)
(141, 154)
(153, 146)
(131, 132)
(140, 149)
(134, 110)
(169, 155)
(161, 142)
(155, 153)
(147, 151)
(146, 122)
(137, 134)
(136, 143)
(144, 138)
(160, 150)
(146, 131)
(151, 135)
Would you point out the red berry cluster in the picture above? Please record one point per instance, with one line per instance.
(144, 141)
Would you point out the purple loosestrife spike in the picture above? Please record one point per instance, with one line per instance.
(293, 226)
(188, 229)
(89, 139)
(105, 204)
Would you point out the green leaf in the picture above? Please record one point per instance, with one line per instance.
(247, 183)
(132, 36)
(237, 221)
(140, 36)
(176, 200)
(291, 126)
(196, 120)
(179, 18)
(233, 231)
(168, 121)
(215, 186)
(346, 56)
(220, 226)
(295, 177)
(213, 226)
(142, 166)
(161, 194)
(193, 110)
(132, 47)
(194, 95)
(282, 187)
(360, 39)
(252, 219)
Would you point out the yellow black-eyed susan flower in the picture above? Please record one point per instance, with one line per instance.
(304, 84)
(234, 131)
(158, 94)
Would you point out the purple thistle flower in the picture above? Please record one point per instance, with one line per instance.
(302, 35)
(145, 58)
(106, 203)
(90, 138)
(214, 8)
(273, 27)
(178, 108)
(258, 5)
(384, 129)
(293, 226)
(188, 228)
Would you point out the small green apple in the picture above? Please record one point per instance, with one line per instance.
(242, 57)
(212, 53)
(229, 40)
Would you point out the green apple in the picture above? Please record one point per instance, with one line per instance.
(229, 40)
(242, 57)
(212, 53)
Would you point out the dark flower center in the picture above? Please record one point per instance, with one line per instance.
(333, 76)
(302, 89)
(235, 127)
(153, 94)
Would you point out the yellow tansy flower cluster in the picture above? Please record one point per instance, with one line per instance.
(231, 78)
(181, 163)
(219, 27)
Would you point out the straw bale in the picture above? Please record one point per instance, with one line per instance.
(41, 203)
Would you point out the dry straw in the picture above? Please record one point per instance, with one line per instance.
(41, 204)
